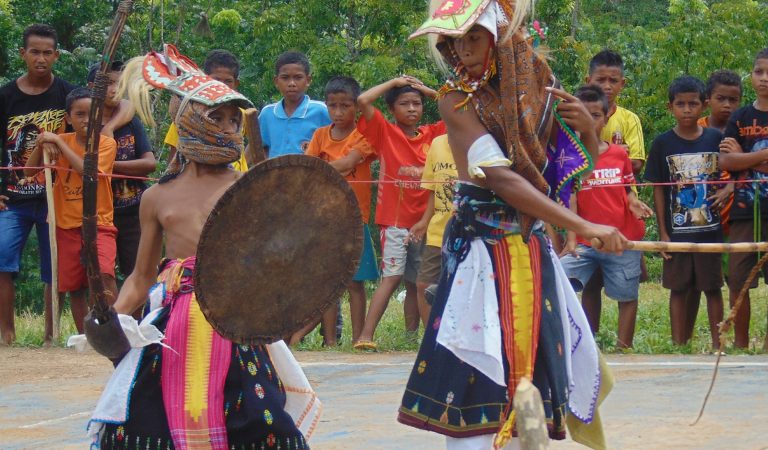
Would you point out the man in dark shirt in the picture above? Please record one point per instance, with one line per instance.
(30, 104)
(134, 158)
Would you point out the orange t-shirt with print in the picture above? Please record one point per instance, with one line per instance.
(68, 188)
(402, 159)
(325, 147)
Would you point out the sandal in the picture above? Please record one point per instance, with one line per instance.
(368, 346)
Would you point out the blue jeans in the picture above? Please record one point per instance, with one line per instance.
(15, 224)
(621, 274)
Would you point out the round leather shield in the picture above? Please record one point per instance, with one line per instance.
(278, 248)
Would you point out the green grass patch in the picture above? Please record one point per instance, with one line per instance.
(652, 333)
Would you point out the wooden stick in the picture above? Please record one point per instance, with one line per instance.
(255, 150)
(690, 247)
(55, 316)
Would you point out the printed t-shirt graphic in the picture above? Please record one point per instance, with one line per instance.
(23, 117)
(68, 189)
(439, 174)
(688, 164)
(689, 207)
(399, 204)
(132, 143)
(603, 196)
(749, 126)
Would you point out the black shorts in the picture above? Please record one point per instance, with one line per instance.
(740, 264)
(702, 271)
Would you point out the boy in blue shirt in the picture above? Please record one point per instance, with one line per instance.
(287, 126)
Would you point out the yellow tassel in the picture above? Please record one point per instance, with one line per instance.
(444, 416)
(505, 433)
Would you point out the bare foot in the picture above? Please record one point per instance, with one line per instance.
(8, 338)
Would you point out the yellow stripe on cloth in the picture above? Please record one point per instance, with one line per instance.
(198, 364)
(522, 290)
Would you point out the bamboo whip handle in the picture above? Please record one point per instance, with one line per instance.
(690, 247)
(55, 317)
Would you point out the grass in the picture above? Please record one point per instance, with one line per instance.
(652, 333)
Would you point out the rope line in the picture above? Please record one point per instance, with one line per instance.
(405, 183)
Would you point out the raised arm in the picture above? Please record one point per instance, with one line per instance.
(121, 117)
(576, 116)
(134, 292)
(464, 128)
(366, 99)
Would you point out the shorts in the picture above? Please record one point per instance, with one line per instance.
(397, 258)
(72, 274)
(128, 234)
(367, 270)
(15, 224)
(740, 264)
(431, 263)
(621, 274)
(702, 271)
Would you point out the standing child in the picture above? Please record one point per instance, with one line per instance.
(744, 152)
(198, 389)
(402, 147)
(723, 97)
(618, 206)
(439, 176)
(287, 126)
(606, 69)
(68, 150)
(223, 67)
(348, 152)
(687, 156)
(134, 158)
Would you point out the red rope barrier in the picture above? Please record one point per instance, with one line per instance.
(397, 181)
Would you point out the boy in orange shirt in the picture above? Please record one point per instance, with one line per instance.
(348, 152)
(67, 151)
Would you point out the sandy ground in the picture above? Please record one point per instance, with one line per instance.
(46, 396)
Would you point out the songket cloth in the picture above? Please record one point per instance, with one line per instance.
(199, 390)
(501, 313)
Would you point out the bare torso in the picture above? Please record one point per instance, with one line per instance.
(174, 213)
(183, 206)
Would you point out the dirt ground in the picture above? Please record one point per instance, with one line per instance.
(46, 396)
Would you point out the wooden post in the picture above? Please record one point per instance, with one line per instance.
(55, 313)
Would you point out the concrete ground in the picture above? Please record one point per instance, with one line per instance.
(46, 396)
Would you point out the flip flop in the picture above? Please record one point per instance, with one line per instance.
(368, 346)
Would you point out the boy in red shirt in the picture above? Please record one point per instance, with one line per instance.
(348, 152)
(617, 206)
(68, 150)
(402, 147)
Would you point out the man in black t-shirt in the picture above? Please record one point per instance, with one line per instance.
(32, 103)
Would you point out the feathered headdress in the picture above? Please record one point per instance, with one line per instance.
(195, 95)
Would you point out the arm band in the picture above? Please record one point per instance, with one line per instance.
(485, 152)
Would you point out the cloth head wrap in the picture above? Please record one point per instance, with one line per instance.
(195, 96)
(510, 98)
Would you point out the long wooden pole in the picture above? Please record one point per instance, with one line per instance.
(690, 247)
(55, 316)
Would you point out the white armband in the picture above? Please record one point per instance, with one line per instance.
(485, 152)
